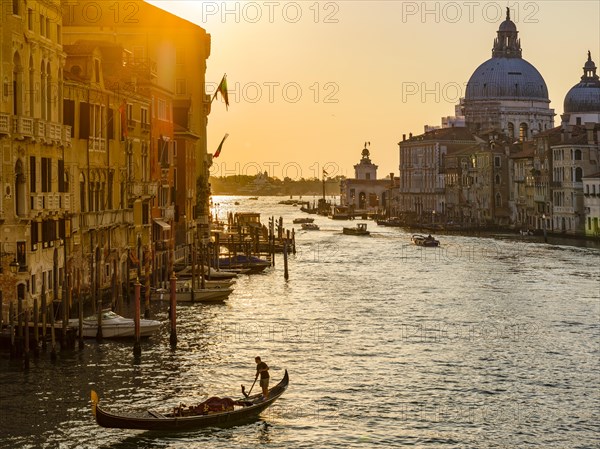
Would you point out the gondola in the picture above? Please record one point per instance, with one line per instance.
(185, 418)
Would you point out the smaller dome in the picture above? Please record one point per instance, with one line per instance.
(585, 95)
(507, 26)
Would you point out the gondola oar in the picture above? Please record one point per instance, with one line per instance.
(244, 388)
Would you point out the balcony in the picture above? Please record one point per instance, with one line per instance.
(146, 67)
(50, 202)
(145, 127)
(168, 213)
(139, 189)
(105, 219)
(96, 144)
(573, 185)
(66, 135)
(564, 210)
(130, 123)
(39, 129)
(55, 132)
(38, 202)
(4, 123)
(23, 126)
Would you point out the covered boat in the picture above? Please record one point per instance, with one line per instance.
(427, 241)
(310, 227)
(114, 326)
(184, 418)
(303, 220)
(360, 229)
(253, 263)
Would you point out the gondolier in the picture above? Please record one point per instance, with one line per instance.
(263, 370)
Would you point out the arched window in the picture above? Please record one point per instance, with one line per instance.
(17, 84)
(511, 130)
(31, 88)
(497, 179)
(578, 174)
(20, 189)
(362, 200)
(48, 93)
(577, 155)
(523, 132)
(498, 200)
(43, 100)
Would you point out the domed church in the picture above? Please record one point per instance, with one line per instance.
(582, 102)
(506, 93)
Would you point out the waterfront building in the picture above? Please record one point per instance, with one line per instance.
(107, 167)
(591, 204)
(35, 203)
(170, 55)
(577, 155)
(522, 188)
(506, 93)
(365, 193)
(542, 177)
(422, 181)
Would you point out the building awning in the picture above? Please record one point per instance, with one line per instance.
(162, 224)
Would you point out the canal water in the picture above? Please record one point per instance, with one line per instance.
(481, 343)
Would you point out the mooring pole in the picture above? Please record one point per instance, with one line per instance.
(26, 352)
(137, 348)
(173, 338)
(52, 334)
(36, 331)
(285, 260)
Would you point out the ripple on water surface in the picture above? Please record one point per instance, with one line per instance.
(478, 343)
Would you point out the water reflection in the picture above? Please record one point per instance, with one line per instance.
(477, 343)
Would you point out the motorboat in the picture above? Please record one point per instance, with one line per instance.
(427, 241)
(114, 326)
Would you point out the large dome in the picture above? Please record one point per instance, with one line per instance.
(585, 95)
(506, 78)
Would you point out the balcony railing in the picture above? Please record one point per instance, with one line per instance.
(563, 210)
(100, 219)
(4, 123)
(97, 144)
(39, 130)
(66, 133)
(23, 126)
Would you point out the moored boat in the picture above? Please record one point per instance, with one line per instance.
(360, 229)
(253, 263)
(310, 226)
(427, 241)
(188, 418)
(302, 220)
(114, 326)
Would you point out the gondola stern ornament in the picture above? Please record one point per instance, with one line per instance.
(94, 397)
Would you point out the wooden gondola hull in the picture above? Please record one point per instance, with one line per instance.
(148, 420)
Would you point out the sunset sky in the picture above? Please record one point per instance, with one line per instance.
(310, 81)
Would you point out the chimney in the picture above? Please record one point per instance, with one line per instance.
(403, 137)
(410, 135)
